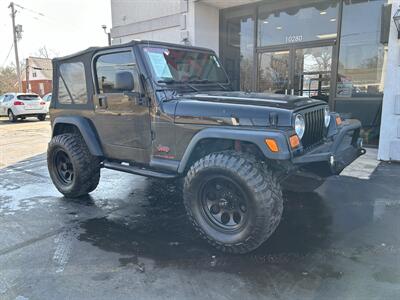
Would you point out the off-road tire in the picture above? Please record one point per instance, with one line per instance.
(86, 166)
(11, 117)
(41, 117)
(261, 188)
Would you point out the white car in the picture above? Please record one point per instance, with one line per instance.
(23, 105)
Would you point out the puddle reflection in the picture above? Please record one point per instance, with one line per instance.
(155, 226)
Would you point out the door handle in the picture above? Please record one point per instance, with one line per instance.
(102, 101)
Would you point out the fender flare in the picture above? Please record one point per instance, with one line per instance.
(86, 129)
(256, 137)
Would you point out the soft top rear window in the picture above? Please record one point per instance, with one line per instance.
(28, 97)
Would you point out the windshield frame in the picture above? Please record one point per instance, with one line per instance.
(155, 78)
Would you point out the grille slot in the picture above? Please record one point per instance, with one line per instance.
(315, 127)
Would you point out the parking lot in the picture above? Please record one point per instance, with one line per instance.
(22, 140)
(130, 238)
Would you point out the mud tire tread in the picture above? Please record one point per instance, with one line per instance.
(262, 183)
(86, 166)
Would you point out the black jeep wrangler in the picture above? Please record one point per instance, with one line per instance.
(168, 111)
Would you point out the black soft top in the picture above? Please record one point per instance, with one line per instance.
(89, 52)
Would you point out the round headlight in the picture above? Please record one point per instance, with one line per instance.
(299, 125)
(327, 116)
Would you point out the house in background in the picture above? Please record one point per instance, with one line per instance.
(38, 76)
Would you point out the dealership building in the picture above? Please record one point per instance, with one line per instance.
(345, 52)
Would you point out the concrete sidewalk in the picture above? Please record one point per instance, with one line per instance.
(131, 240)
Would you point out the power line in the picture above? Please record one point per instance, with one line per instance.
(8, 55)
(31, 10)
(40, 17)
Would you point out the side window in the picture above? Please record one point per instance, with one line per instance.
(72, 83)
(116, 73)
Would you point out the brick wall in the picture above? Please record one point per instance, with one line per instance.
(35, 86)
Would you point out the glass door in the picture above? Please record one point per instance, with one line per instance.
(296, 70)
(274, 72)
(312, 72)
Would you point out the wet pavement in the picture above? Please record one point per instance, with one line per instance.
(130, 239)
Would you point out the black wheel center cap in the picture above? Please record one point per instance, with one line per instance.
(223, 203)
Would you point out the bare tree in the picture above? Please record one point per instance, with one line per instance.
(8, 82)
(42, 52)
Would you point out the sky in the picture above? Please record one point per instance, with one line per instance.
(62, 26)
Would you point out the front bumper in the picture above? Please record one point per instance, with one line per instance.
(332, 157)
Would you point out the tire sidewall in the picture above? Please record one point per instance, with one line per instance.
(53, 148)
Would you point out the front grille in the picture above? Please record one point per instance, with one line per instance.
(315, 128)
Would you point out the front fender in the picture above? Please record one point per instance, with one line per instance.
(86, 129)
(256, 137)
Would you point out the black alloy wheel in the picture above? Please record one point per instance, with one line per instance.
(64, 167)
(224, 203)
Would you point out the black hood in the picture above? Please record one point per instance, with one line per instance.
(239, 108)
(258, 99)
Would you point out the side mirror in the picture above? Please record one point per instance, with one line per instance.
(124, 81)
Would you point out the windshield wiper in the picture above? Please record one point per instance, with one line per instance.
(209, 81)
(173, 81)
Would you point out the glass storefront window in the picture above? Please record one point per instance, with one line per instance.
(362, 53)
(309, 22)
(273, 72)
(239, 52)
(312, 75)
(298, 49)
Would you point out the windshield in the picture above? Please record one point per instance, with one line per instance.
(28, 97)
(171, 65)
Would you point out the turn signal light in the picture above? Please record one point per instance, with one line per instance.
(338, 120)
(294, 141)
(272, 145)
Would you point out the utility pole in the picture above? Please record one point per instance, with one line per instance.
(27, 76)
(13, 12)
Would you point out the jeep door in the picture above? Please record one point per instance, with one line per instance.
(122, 116)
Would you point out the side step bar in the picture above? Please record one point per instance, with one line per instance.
(137, 170)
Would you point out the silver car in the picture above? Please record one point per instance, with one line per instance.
(47, 99)
(23, 105)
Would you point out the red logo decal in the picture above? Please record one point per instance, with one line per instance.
(164, 149)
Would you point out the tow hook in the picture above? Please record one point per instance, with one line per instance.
(360, 145)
